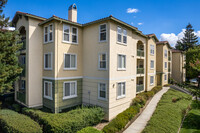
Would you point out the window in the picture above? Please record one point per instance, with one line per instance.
(102, 32)
(102, 61)
(48, 90)
(151, 80)
(152, 49)
(121, 33)
(45, 34)
(66, 30)
(69, 89)
(48, 33)
(102, 91)
(74, 35)
(23, 84)
(165, 53)
(165, 77)
(152, 64)
(48, 61)
(124, 36)
(70, 61)
(121, 89)
(165, 65)
(122, 62)
(22, 60)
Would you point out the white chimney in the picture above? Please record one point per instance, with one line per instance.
(72, 13)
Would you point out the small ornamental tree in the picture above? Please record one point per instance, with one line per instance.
(9, 67)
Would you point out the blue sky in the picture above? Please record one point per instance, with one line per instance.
(165, 18)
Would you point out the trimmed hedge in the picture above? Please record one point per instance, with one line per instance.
(69, 122)
(120, 121)
(13, 122)
(89, 130)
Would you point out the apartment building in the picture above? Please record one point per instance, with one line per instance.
(104, 62)
(178, 70)
(163, 62)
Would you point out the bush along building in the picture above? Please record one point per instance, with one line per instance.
(105, 62)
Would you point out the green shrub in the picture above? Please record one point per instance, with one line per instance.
(69, 122)
(89, 130)
(9, 100)
(16, 107)
(13, 122)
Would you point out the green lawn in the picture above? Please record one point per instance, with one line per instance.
(169, 113)
(191, 123)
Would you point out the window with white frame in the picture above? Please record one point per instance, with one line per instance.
(165, 65)
(102, 61)
(102, 32)
(121, 89)
(165, 77)
(152, 49)
(74, 35)
(48, 33)
(124, 36)
(48, 90)
(48, 61)
(70, 61)
(66, 33)
(102, 91)
(23, 84)
(165, 53)
(122, 62)
(151, 80)
(69, 89)
(119, 34)
(152, 64)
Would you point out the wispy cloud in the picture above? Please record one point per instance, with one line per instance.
(140, 23)
(132, 23)
(132, 10)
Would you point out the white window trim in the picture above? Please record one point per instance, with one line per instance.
(48, 29)
(152, 47)
(63, 34)
(122, 34)
(121, 69)
(150, 80)
(45, 61)
(76, 35)
(48, 97)
(164, 65)
(101, 98)
(75, 68)
(106, 32)
(122, 96)
(99, 61)
(71, 96)
(153, 64)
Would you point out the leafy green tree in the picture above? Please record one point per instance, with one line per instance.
(9, 67)
(189, 40)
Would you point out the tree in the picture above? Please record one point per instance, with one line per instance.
(189, 40)
(9, 47)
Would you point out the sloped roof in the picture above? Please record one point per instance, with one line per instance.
(153, 36)
(164, 43)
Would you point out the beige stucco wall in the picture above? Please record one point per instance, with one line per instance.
(149, 71)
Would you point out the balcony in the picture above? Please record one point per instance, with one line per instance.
(139, 88)
(21, 96)
(140, 52)
(169, 70)
(140, 70)
(169, 58)
(23, 44)
(23, 74)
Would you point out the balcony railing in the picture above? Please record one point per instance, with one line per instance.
(23, 44)
(140, 70)
(169, 70)
(169, 58)
(21, 96)
(140, 52)
(23, 74)
(140, 88)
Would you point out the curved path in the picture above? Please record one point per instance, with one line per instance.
(139, 124)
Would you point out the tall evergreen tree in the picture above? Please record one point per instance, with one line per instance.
(189, 40)
(9, 67)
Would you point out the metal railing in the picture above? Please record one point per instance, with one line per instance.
(140, 88)
(140, 52)
(140, 70)
(21, 96)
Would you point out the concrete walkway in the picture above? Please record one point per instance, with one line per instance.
(139, 124)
